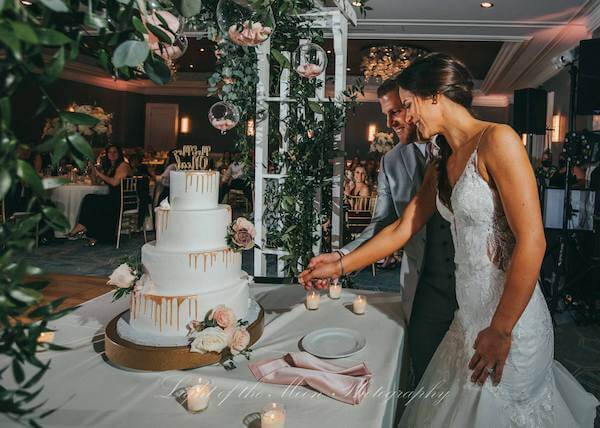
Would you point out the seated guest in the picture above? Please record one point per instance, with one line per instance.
(361, 188)
(164, 178)
(99, 213)
(348, 182)
(235, 180)
(137, 167)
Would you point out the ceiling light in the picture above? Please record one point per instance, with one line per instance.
(348, 69)
(357, 3)
(486, 4)
(26, 3)
(191, 65)
(328, 51)
(201, 49)
(383, 62)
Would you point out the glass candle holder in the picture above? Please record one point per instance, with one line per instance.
(244, 25)
(312, 300)
(335, 290)
(309, 60)
(198, 396)
(359, 305)
(273, 416)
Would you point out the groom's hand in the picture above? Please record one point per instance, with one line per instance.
(318, 260)
(491, 351)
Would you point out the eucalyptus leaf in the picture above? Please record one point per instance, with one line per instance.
(130, 53)
(77, 118)
(8, 37)
(48, 36)
(25, 295)
(157, 71)
(5, 183)
(139, 25)
(188, 8)
(81, 145)
(280, 58)
(24, 32)
(55, 5)
(5, 110)
(315, 107)
(56, 66)
(95, 21)
(159, 33)
(26, 173)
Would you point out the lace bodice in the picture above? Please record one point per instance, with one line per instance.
(478, 213)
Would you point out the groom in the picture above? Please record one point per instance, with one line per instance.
(427, 272)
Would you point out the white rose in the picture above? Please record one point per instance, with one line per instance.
(211, 339)
(122, 277)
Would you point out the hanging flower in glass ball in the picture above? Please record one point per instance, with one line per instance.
(309, 60)
(244, 25)
(177, 44)
(223, 116)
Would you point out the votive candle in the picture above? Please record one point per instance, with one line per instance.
(198, 396)
(335, 290)
(273, 416)
(312, 300)
(359, 304)
(46, 337)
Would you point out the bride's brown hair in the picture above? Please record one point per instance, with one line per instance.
(432, 75)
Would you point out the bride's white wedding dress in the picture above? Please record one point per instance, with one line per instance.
(535, 390)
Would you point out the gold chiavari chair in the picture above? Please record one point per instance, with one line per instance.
(359, 214)
(130, 206)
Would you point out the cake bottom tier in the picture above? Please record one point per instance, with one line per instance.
(169, 315)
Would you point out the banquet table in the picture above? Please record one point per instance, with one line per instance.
(68, 199)
(90, 391)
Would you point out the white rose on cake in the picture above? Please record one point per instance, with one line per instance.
(211, 339)
(122, 277)
(223, 316)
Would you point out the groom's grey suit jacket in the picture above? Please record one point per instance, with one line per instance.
(400, 175)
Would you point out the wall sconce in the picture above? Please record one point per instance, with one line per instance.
(372, 132)
(556, 119)
(250, 131)
(185, 125)
(71, 108)
(596, 122)
(524, 139)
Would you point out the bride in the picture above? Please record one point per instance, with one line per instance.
(496, 360)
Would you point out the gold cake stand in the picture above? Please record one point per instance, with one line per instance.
(155, 358)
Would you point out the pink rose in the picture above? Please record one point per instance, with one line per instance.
(239, 340)
(243, 239)
(243, 224)
(223, 316)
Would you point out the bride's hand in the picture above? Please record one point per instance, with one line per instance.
(491, 351)
(311, 276)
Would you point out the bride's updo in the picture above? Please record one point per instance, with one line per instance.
(434, 74)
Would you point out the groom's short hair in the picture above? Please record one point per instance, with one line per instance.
(388, 85)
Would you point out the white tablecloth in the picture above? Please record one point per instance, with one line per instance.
(68, 199)
(90, 391)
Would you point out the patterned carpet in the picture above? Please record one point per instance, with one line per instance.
(577, 346)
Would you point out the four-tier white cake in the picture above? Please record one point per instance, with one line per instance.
(189, 269)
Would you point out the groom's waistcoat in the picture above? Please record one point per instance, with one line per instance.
(430, 253)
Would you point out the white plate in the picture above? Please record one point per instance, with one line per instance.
(333, 342)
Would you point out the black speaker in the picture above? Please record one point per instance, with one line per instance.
(588, 77)
(530, 111)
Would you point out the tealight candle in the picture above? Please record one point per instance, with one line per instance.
(273, 416)
(198, 396)
(359, 304)
(335, 290)
(312, 300)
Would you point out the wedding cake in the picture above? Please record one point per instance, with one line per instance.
(190, 269)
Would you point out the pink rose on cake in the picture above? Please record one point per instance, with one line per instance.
(239, 340)
(241, 235)
(211, 339)
(122, 277)
(223, 316)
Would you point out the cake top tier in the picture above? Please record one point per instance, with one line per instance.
(194, 190)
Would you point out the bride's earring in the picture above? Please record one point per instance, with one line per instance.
(434, 99)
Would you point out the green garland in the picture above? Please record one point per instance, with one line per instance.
(35, 43)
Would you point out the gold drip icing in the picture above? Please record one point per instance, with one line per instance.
(156, 308)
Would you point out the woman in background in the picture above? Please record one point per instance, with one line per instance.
(99, 213)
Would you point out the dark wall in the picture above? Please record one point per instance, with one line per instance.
(201, 132)
(129, 111)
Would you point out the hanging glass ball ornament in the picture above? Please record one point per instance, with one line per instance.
(244, 25)
(309, 60)
(223, 116)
